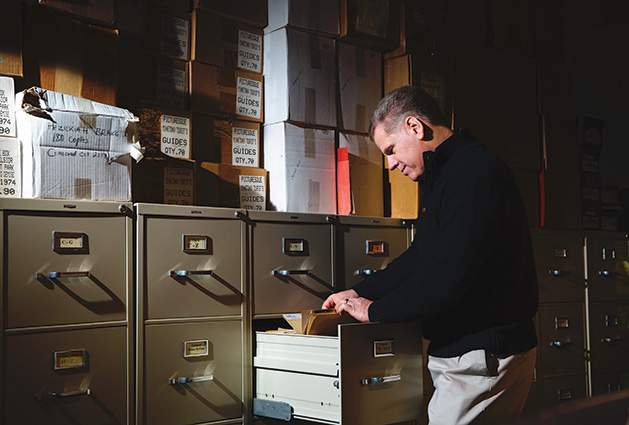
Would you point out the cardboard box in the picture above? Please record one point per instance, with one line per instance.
(164, 180)
(556, 95)
(10, 168)
(154, 28)
(74, 148)
(512, 26)
(164, 131)
(222, 185)
(561, 146)
(300, 78)
(252, 12)
(318, 16)
(11, 38)
(71, 57)
(99, 12)
(562, 201)
(371, 24)
(432, 75)
(152, 79)
(550, 30)
(302, 168)
(513, 81)
(528, 183)
(472, 74)
(226, 92)
(404, 195)
(220, 41)
(231, 142)
(360, 82)
(365, 174)
(175, 4)
(7, 107)
(467, 22)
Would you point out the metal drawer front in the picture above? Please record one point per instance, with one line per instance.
(290, 281)
(610, 381)
(559, 264)
(369, 249)
(561, 339)
(563, 389)
(608, 267)
(609, 335)
(50, 284)
(89, 386)
(194, 267)
(193, 373)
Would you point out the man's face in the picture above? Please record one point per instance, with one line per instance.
(403, 148)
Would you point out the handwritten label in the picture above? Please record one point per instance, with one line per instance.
(178, 186)
(252, 193)
(245, 147)
(175, 136)
(175, 36)
(7, 107)
(10, 183)
(248, 97)
(171, 87)
(249, 51)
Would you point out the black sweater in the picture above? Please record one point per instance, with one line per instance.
(469, 274)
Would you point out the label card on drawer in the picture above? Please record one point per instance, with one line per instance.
(376, 248)
(70, 243)
(71, 359)
(196, 348)
(197, 244)
(384, 348)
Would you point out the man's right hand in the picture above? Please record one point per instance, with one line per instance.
(338, 297)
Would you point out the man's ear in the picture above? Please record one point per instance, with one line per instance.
(415, 126)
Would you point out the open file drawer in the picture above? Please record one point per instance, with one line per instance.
(371, 373)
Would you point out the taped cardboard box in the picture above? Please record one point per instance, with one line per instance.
(71, 57)
(318, 16)
(302, 168)
(164, 180)
(300, 78)
(360, 82)
(225, 141)
(365, 174)
(95, 11)
(252, 12)
(220, 41)
(11, 38)
(371, 24)
(221, 185)
(7, 107)
(10, 168)
(227, 92)
(74, 148)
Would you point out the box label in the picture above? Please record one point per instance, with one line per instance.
(252, 193)
(178, 186)
(245, 147)
(171, 87)
(175, 136)
(249, 97)
(175, 36)
(10, 183)
(7, 107)
(249, 51)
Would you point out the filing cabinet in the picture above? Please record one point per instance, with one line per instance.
(564, 388)
(67, 326)
(610, 381)
(192, 330)
(367, 244)
(607, 262)
(609, 335)
(292, 262)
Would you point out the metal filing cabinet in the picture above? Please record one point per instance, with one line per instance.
(371, 373)
(561, 339)
(66, 325)
(192, 333)
(292, 262)
(366, 245)
(610, 381)
(607, 266)
(560, 389)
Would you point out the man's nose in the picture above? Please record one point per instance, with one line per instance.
(393, 163)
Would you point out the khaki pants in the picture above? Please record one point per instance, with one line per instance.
(478, 387)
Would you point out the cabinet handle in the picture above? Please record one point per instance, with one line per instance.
(607, 273)
(611, 341)
(558, 273)
(190, 379)
(559, 344)
(365, 272)
(380, 380)
(289, 272)
(68, 394)
(185, 273)
(59, 275)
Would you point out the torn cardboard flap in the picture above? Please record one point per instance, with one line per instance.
(317, 322)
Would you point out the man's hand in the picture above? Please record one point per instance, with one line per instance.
(335, 299)
(358, 308)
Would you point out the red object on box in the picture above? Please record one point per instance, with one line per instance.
(343, 184)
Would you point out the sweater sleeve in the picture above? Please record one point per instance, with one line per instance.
(447, 258)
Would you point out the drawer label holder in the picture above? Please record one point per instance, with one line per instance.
(384, 348)
(272, 409)
(195, 348)
(71, 359)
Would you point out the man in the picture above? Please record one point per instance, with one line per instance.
(469, 274)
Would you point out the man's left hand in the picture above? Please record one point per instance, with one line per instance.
(358, 308)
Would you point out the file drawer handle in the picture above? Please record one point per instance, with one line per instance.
(289, 272)
(380, 380)
(559, 344)
(558, 273)
(68, 394)
(607, 273)
(186, 273)
(611, 341)
(60, 275)
(190, 379)
(365, 272)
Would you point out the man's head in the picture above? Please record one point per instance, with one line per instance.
(406, 123)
